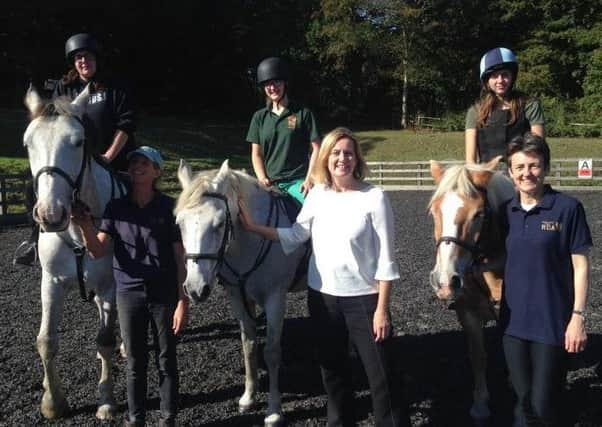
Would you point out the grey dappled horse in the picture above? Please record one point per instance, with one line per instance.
(255, 272)
(470, 252)
(63, 172)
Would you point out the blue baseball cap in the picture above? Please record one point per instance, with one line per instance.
(148, 152)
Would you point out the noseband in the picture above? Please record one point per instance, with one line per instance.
(228, 233)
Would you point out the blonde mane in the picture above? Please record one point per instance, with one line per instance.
(457, 178)
(241, 184)
(60, 106)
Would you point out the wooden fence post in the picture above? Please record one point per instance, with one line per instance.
(3, 198)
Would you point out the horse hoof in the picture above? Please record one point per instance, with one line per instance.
(106, 412)
(122, 352)
(273, 420)
(52, 410)
(244, 408)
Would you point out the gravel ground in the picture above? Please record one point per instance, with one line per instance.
(429, 346)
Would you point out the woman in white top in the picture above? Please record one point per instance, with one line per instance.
(351, 270)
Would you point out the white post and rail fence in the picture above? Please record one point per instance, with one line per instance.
(565, 174)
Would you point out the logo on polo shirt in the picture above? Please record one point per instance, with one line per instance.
(292, 121)
(551, 226)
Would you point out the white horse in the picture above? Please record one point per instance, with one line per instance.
(63, 171)
(253, 270)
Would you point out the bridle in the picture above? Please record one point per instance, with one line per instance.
(228, 235)
(74, 184)
(477, 252)
(220, 255)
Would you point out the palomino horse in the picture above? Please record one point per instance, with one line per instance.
(253, 270)
(470, 252)
(63, 172)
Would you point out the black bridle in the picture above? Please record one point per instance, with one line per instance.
(220, 255)
(74, 184)
(227, 236)
(477, 252)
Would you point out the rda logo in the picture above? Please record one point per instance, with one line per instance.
(551, 226)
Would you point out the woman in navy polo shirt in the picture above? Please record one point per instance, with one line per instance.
(148, 266)
(545, 285)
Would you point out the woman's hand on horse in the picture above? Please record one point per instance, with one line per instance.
(80, 213)
(244, 216)
(381, 325)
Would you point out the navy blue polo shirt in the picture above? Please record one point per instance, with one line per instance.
(143, 240)
(538, 291)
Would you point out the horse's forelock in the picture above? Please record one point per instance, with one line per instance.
(456, 178)
(60, 106)
(190, 198)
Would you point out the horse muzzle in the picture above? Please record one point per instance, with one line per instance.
(197, 295)
(51, 220)
(447, 290)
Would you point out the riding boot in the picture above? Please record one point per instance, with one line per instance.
(27, 252)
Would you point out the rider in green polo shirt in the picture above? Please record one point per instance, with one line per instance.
(284, 137)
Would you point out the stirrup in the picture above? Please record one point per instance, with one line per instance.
(26, 253)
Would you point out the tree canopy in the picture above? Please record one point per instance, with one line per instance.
(353, 61)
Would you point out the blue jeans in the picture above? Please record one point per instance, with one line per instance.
(538, 373)
(336, 321)
(136, 310)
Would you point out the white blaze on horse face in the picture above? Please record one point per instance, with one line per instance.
(201, 236)
(56, 142)
(447, 252)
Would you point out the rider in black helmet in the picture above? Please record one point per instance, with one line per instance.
(109, 117)
(283, 135)
(501, 112)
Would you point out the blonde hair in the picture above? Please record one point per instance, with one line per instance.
(320, 173)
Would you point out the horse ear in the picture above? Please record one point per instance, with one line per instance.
(223, 171)
(436, 171)
(33, 101)
(184, 173)
(492, 164)
(82, 99)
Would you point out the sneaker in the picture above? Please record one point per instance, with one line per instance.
(26, 253)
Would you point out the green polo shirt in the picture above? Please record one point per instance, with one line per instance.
(285, 140)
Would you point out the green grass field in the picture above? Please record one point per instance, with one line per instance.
(206, 145)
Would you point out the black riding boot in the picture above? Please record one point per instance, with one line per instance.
(27, 252)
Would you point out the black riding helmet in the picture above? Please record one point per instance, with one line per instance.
(81, 41)
(273, 68)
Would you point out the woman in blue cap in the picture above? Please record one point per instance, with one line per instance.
(148, 267)
(501, 112)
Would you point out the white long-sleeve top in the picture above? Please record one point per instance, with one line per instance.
(352, 236)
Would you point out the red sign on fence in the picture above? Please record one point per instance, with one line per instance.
(585, 168)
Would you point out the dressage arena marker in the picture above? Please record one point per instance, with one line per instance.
(585, 168)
